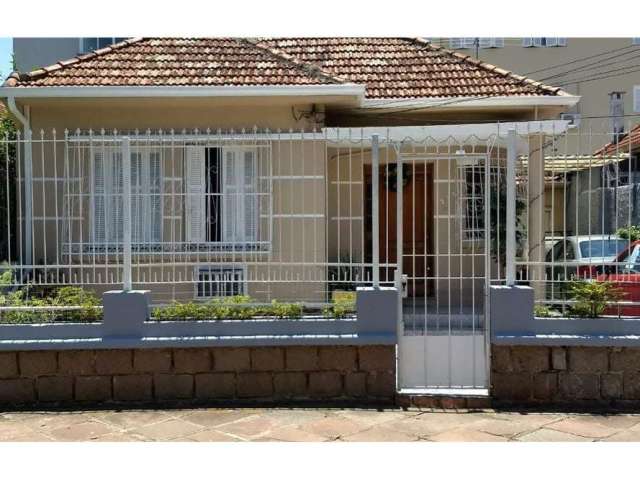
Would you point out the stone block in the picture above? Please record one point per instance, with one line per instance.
(33, 364)
(169, 386)
(132, 387)
(325, 384)
(558, 358)
(93, 388)
(54, 389)
(191, 360)
(501, 358)
(77, 362)
(342, 359)
(611, 386)
(17, 391)
(114, 362)
(290, 384)
(231, 359)
(545, 385)
(152, 360)
(579, 386)
(301, 358)
(625, 360)
(377, 358)
(530, 359)
(631, 386)
(8, 365)
(355, 384)
(511, 387)
(254, 384)
(215, 385)
(267, 359)
(588, 359)
(381, 384)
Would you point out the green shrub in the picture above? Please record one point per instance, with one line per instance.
(630, 232)
(341, 305)
(6, 277)
(545, 311)
(591, 298)
(63, 297)
(285, 310)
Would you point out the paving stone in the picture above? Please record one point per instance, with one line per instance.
(334, 426)
(216, 417)
(80, 432)
(466, 435)
(211, 436)
(380, 434)
(433, 423)
(167, 430)
(624, 436)
(294, 434)
(130, 419)
(548, 435)
(250, 427)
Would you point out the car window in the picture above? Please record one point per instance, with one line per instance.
(632, 262)
(608, 247)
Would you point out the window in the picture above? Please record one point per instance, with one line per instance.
(145, 196)
(222, 195)
(636, 99)
(90, 44)
(472, 199)
(220, 281)
(470, 42)
(544, 42)
(574, 119)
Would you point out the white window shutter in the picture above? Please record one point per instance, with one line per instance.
(195, 194)
(115, 187)
(232, 224)
(250, 197)
(137, 198)
(155, 197)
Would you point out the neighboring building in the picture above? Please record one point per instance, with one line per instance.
(36, 52)
(592, 68)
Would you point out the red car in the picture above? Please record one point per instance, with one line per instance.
(625, 273)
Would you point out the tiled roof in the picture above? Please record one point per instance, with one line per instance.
(407, 68)
(394, 68)
(627, 144)
(176, 62)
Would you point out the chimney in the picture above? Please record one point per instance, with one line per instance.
(616, 114)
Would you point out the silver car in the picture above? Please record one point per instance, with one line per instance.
(581, 255)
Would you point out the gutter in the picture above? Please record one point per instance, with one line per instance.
(474, 102)
(348, 89)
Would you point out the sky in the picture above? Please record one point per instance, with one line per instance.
(6, 48)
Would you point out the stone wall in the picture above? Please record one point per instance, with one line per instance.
(571, 375)
(363, 373)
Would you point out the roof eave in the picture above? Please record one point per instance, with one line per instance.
(346, 90)
(451, 103)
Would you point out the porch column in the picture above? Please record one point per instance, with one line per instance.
(375, 209)
(535, 227)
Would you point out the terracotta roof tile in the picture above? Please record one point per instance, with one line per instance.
(627, 144)
(394, 68)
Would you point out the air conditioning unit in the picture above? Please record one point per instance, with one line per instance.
(574, 119)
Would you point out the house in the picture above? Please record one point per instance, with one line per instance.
(251, 164)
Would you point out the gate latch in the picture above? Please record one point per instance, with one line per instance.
(405, 286)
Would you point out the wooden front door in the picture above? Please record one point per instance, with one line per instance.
(417, 225)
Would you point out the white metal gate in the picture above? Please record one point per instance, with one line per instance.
(443, 207)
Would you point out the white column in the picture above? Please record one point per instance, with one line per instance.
(375, 212)
(511, 208)
(126, 214)
(28, 196)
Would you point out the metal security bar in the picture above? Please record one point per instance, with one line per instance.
(270, 215)
(577, 208)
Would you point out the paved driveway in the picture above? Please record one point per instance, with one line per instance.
(306, 424)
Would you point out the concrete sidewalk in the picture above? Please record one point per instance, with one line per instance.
(315, 425)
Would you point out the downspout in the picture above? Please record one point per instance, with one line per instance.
(28, 180)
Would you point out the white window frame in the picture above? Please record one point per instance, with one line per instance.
(544, 42)
(82, 41)
(244, 283)
(145, 194)
(239, 151)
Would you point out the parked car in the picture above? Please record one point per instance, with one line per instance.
(580, 256)
(624, 272)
